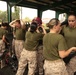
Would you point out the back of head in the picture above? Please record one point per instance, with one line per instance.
(33, 27)
(52, 23)
(37, 20)
(5, 24)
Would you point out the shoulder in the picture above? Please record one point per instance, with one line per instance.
(28, 32)
(59, 36)
(64, 26)
(46, 36)
(39, 34)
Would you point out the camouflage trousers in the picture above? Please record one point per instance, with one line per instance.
(40, 60)
(30, 58)
(71, 66)
(13, 46)
(18, 48)
(56, 67)
(2, 49)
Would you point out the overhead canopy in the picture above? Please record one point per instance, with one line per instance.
(57, 5)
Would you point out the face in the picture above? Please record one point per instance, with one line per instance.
(72, 21)
(58, 28)
(17, 25)
(5, 27)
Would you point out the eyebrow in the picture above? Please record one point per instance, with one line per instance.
(71, 20)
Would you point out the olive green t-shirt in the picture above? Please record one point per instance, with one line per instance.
(52, 44)
(69, 35)
(20, 34)
(32, 40)
(2, 32)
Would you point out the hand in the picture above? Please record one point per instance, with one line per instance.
(8, 43)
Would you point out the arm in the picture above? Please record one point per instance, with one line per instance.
(63, 48)
(4, 40)
(42, 30)
(12, 24)
(64, 53)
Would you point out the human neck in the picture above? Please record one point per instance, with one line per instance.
(52, 31)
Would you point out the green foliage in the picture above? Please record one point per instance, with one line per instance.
(3, 16)
(15, 14)
(27, 19)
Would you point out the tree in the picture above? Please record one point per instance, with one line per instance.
(27, 19)
(3, 16)
(15, 14)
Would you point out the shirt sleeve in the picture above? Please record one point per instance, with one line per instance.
(5, 32)
(62, 44)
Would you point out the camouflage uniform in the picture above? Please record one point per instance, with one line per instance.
(19, 36)
(18, 48)
(30, 58)
(71, 66)
(56, 67)
(40, 59)
(2, 49)
(70, 38)
(53, 43)
(13, 46)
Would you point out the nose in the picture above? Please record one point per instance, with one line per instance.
(70, 22)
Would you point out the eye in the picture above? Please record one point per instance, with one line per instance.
(73, 20)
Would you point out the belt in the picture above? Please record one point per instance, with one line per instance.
(58, 60)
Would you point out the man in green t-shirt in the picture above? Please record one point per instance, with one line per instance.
(3, 33)
(54, 50)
